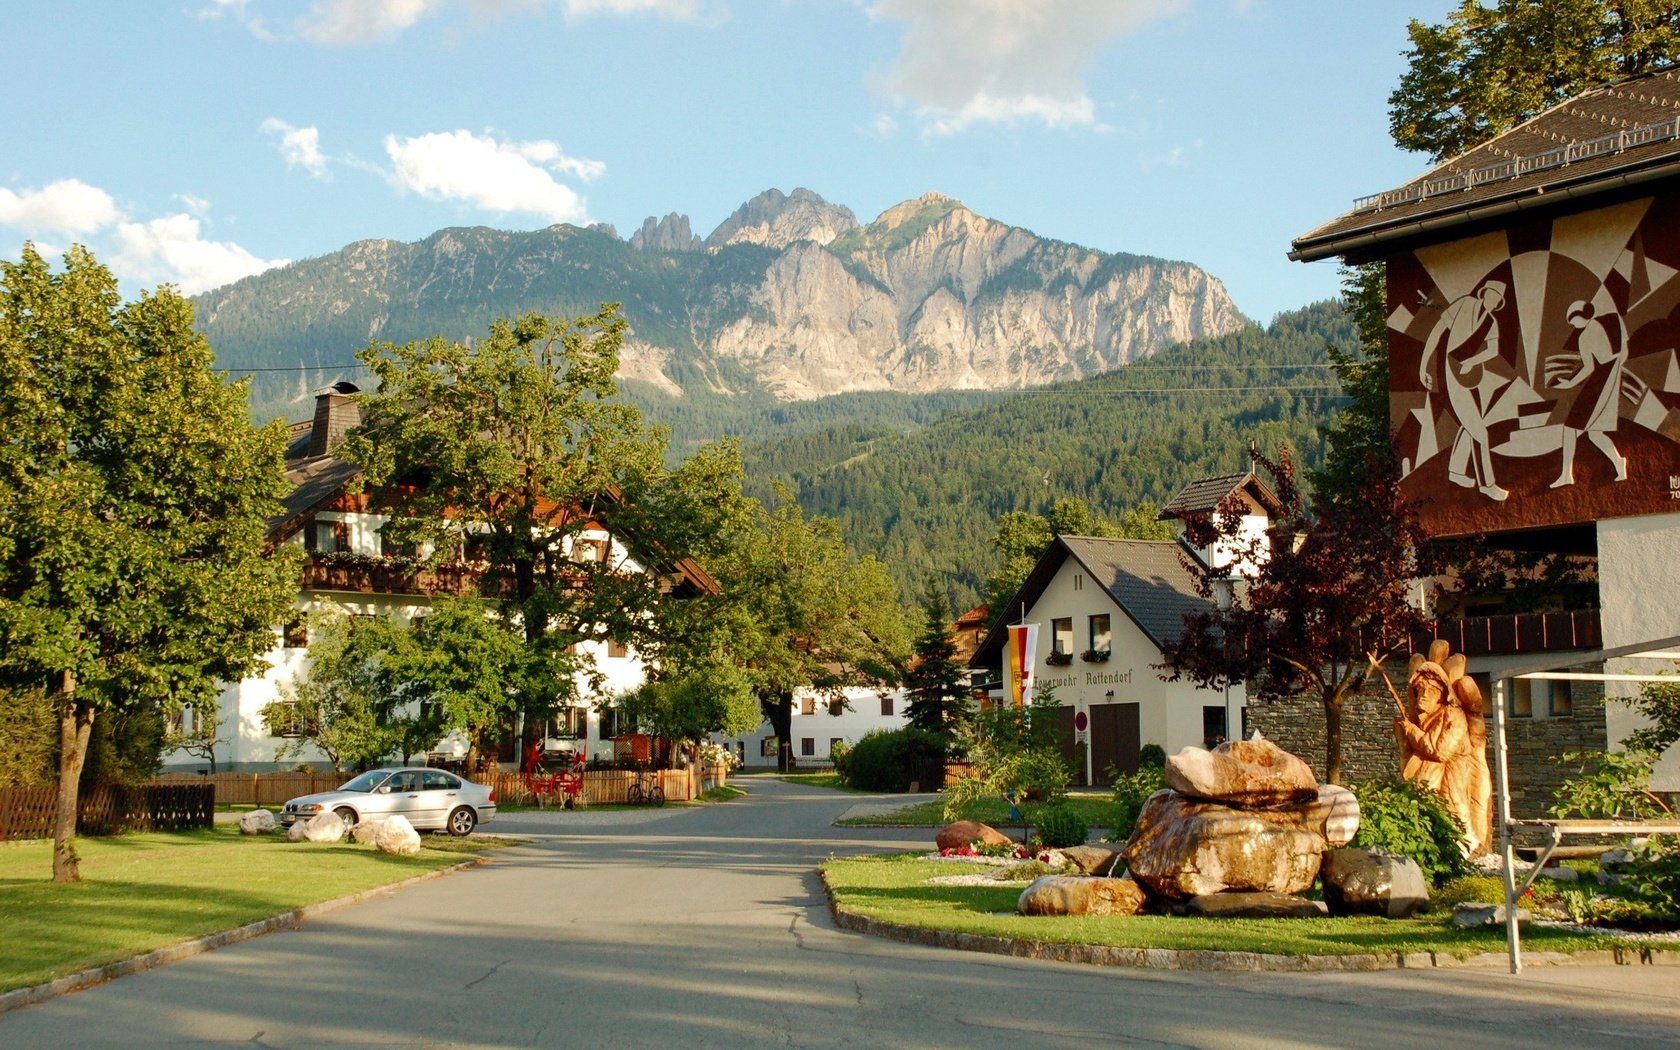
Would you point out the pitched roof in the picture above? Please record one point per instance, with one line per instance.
(1146, 578)
(1618, 135)
(1206, 495)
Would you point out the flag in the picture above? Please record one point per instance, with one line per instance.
(1018, 662)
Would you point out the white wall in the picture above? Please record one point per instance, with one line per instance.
(1638, 579)
(863, 715)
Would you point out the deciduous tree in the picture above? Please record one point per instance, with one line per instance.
(134, 497)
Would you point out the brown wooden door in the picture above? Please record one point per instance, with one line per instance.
(1114, 739)
(1073, 752)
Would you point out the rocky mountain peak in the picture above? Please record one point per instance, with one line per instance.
(776, 220)
(670, 234)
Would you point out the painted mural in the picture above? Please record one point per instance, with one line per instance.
(1534, 379)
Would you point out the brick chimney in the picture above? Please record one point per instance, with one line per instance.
(336, 414)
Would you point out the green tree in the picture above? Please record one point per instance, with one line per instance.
(347, 704)
(936, 682)
(804, 612)
(517, 445)
(709, 697)
(134, 499)
(1359, 441)
(464, 668)
(1487, 69)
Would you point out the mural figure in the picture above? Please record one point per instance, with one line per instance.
(1442, 733)
(1467, 339)
(1599, 346)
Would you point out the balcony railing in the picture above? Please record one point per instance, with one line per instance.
(1511, 635)
(376, 576)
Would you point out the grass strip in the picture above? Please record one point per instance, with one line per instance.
(894, 889)
(145, 891)
(1099, 812)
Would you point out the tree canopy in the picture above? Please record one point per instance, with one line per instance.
(134, 500)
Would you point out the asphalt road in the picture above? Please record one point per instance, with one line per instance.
(686, 928)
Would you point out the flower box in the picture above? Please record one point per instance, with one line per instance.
(1059, 659)
(1095, 656)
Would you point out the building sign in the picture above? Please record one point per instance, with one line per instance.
(1533, 372)
(1018, 662)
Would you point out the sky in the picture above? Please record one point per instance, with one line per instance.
(199, 141)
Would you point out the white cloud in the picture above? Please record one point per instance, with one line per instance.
(173, 249)
(362, 21)
(239, 11)
(680, 10)
(967, 62)
(68, 206)
(300, 146)
(498, 176)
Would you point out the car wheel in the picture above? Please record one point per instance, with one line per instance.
(348, 815)
(462, 820)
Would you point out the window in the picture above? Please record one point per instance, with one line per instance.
(332, 536)
(808, 705)
(437, 780)
(1213, 727)
(182, 722)
(587, 549)
(618, 649)
(808, 746)
(294, 633)
(1522, 698)
(835, 742)
(1101, 638)
(390, 548)
(836, 707)
(1541, 698)
(607, 721)
(1561, 701)
(1061, 636)
(570, 723)
(283, 720)
(886, 706)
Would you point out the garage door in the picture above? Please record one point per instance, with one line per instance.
(1114, 739)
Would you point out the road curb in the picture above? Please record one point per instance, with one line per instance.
(1208, 960)
(286, 920)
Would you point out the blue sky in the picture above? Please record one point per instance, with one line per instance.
(196, 141)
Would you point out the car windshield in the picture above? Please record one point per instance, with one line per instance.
(367, 781)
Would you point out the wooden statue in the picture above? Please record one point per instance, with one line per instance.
(1443, 740)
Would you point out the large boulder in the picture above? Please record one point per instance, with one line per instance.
(968, 832)
(1092, 860)
(1184, 848)
(397, 836)
(324, 827)
(1336, 812)
(297, 831)
(1081, 895)
(1247, 774)
(1373, 882)
(1254, 906)
(256, 822)
(366, 832)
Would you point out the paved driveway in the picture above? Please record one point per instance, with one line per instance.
(706, 928)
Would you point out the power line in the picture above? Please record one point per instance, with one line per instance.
(302, 368)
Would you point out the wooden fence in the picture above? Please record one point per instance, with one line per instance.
(599, 785)
(28, 813)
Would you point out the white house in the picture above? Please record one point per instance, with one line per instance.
(1105, 609)
(349, 571)
(818, 725)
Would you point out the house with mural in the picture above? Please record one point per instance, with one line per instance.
(350, 568)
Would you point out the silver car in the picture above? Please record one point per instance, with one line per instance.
(430, 799)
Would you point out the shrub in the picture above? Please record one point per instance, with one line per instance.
(1131, 791)
(1653, 877)
(1152, 756)
(1413, 821)
(889, 761)
(841, 755)
(1061, 826)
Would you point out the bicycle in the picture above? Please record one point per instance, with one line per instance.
(646, 790)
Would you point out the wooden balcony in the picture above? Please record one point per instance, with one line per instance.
(1514, 635)
(374, 576)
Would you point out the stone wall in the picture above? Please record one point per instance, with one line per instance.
(1368, 748)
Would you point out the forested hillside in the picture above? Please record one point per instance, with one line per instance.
(926, 500)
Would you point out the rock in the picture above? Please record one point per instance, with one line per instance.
(1560, 874)
(1254, 906)
(1340, 809)
(324, 827)
(1184, 848)
(256, 822)
(1081, 895)
(1373, 882)
(968, 832)
(1248, 774)
(295, 833)
(1093, 860)
(1471, 913)
(366, 831)
(397, 835)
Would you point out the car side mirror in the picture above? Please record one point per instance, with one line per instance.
(384, 789)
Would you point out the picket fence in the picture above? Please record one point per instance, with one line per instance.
(29, 813)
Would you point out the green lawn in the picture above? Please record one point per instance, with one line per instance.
(1098, 810)
(144, 891)
(826, 778)
(894, 889)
